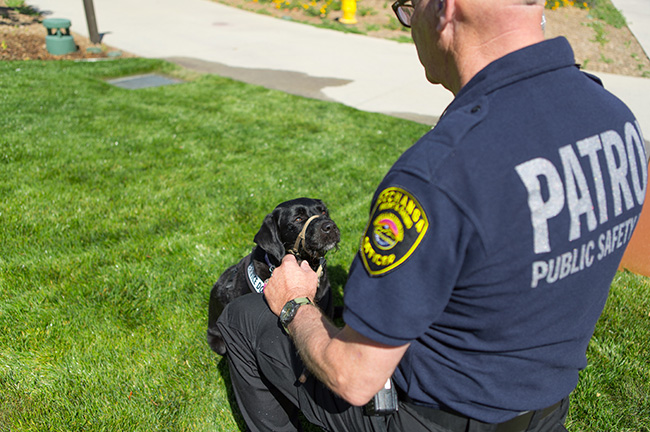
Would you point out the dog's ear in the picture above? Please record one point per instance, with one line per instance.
(268, 238)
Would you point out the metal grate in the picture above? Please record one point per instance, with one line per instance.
(143, 81)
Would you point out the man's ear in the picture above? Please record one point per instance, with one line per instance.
(440, 8)
(444, 12)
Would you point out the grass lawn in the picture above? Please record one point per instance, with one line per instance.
(119, 209)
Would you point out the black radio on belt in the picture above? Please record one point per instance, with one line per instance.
(384, 402)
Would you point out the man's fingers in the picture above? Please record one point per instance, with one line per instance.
(289, 258)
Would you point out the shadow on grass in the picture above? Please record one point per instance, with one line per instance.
(338, 276)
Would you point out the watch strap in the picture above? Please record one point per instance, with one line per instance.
(293, 305)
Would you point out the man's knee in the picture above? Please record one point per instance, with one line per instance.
(245, 317)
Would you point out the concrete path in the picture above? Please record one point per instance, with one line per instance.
(366, 73)
(637, 14)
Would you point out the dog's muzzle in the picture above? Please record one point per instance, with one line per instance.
(300, 240)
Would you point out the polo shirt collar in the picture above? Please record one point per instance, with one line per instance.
(527, 62)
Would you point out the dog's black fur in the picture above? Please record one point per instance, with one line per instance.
(275, 238)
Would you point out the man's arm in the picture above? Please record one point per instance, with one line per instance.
(350, 364)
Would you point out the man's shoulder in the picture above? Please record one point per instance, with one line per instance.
(438, 148)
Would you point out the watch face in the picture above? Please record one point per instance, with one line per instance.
(288, 312)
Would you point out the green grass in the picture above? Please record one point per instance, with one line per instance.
(614, 390)
(119, 209)
(600, 35)
(21, 7)
(605, 10)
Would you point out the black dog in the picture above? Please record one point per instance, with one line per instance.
(301, 226)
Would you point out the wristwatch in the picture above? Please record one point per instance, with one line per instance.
(288, 312)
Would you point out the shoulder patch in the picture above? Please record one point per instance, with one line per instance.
(396, 227)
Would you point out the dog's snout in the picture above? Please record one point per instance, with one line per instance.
(327, 227)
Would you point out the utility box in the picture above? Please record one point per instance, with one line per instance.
(58, 40)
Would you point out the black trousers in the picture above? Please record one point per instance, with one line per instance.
(265, 370)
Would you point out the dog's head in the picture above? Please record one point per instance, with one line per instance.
(282, 227)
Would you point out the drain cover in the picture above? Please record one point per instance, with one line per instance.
(143, 81)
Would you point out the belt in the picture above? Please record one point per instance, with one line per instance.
(523, 421)
(457, 421)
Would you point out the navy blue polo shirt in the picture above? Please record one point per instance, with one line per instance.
(492, 242)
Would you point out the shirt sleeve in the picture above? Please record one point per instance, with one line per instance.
(409, 259)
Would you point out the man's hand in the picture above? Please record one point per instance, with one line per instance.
(349, 363)
(290, 281)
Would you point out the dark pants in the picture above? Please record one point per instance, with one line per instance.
(265, 370)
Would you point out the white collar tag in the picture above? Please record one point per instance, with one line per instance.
(256, 281)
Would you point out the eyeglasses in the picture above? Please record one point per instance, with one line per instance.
(403, 10)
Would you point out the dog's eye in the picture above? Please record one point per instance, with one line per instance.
(299, 219)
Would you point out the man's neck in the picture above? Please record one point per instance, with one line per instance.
(509, 29)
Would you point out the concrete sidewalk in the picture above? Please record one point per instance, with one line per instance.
(366, 73)
(637, 15)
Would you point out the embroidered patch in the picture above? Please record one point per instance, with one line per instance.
(396, 228)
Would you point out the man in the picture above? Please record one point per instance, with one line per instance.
(488, 254)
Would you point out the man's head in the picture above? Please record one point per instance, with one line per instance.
(457, 38)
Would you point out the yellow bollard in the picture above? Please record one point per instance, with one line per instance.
(349, 8)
